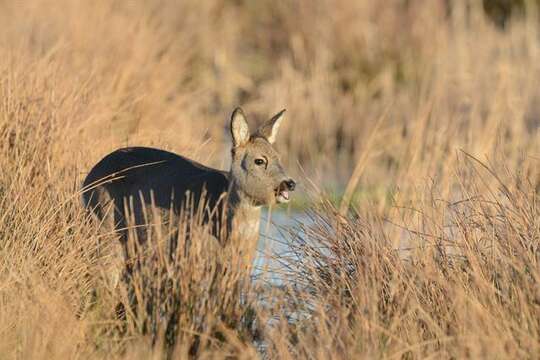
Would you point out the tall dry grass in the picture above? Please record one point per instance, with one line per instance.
(463, 284)
(439, 255)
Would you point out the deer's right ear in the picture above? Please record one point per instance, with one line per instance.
(239, 128)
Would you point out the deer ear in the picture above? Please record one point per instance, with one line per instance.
(239, 128)
(270, 128)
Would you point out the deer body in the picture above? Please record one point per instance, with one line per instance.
(135, 177)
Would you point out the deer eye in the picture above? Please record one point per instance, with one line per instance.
(259, 162)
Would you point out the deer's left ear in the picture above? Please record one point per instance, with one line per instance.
(270, 128)
(239, 128)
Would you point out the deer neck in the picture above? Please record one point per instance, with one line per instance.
(243, 216)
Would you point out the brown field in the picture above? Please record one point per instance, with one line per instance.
(422, 116)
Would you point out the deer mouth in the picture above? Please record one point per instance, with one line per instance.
(282, 194)
(283, 197)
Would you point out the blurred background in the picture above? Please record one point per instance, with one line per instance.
(391, 89)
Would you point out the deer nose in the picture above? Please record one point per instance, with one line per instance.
(290, 184)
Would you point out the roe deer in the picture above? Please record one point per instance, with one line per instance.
(141, 176)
